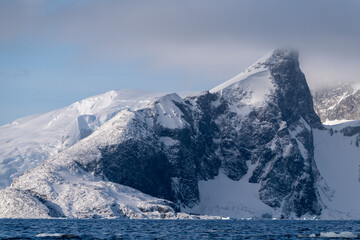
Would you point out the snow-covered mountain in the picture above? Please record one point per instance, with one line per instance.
(338, 104)
(27, 142)
(60, 187)
(250, 147)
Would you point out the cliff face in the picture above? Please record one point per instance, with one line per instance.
(264, 116)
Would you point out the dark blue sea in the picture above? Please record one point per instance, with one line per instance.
(175, 229)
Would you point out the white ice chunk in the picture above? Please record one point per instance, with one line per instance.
(337, 235)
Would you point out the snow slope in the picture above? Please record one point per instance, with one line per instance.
(253, 72)
(338, 160)
(27, 142)
(228, 198)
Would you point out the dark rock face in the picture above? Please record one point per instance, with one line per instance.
(140, 165)
(275, 136)
(293, 94)
(289, 182)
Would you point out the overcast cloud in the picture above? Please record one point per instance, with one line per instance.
(207, 41)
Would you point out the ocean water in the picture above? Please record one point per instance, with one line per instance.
(175, 229)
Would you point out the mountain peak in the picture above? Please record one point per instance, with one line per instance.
(281, 57)
(276, 77)
(289, 53)
(262, 66)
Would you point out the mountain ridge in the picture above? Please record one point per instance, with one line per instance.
(27, 142)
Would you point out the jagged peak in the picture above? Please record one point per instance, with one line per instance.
(286, 53)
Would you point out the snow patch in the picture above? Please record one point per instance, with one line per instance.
(258, 83)
(336, 122)
(337, 235)
(167, 113)
(256, 80)
(168, 141)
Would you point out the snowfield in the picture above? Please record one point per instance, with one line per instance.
(235, 199)
(338, 160)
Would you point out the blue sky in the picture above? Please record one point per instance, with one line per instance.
(37, 78)
(55, 52)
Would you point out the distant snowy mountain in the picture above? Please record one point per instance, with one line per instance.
(250, 147)
(338, 104)
(27, 142)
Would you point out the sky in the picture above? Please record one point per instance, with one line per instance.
(56, 52)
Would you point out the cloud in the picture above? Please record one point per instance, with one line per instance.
(209, 41)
